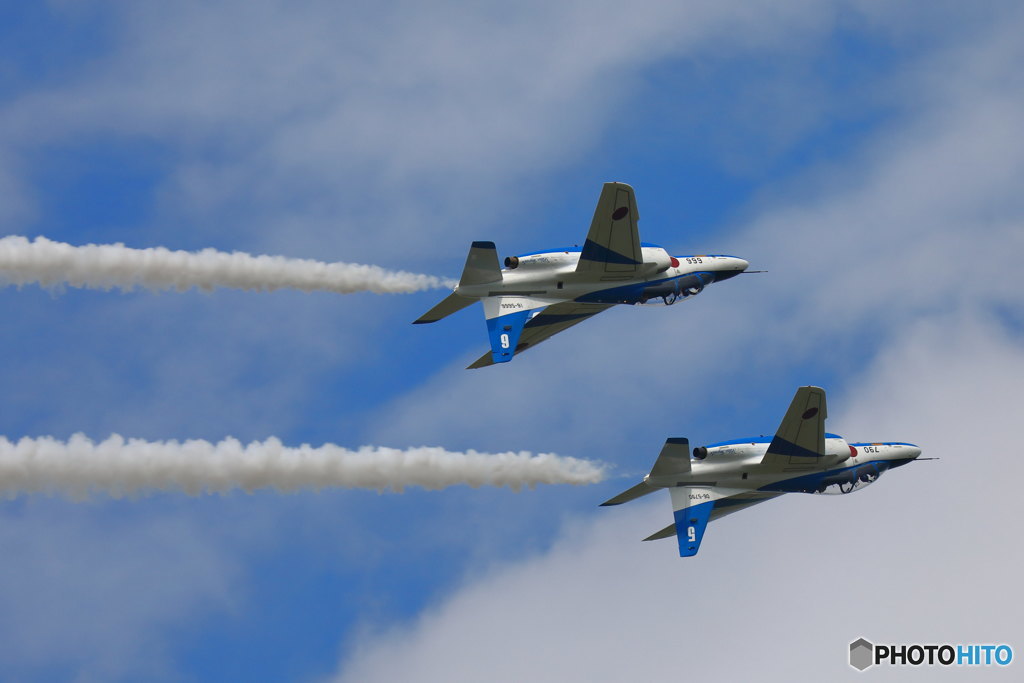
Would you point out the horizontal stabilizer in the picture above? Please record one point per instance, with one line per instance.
(641, 489)
(667, 532)
(453, 303)
(481, 265)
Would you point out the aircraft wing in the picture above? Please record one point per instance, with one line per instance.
(549, 322)
(613, 243)
(799, 444)
(741, 501)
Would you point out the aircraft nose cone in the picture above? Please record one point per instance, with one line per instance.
(912, 451)
(728, 267)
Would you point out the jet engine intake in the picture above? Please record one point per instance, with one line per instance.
(659, 260)
(511, 262)
(700, 452)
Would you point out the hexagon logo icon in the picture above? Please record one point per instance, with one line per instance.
(861, 654)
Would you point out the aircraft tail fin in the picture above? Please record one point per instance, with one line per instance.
(481, 268)
(691, 507)
(481, 265)
(674, 460)
(504, 332)
(504, 327)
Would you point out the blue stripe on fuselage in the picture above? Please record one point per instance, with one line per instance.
(759, 439)
(810, 483)
(558, 250)
(634, 293)
(575, 248)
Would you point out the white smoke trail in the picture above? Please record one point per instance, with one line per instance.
(119, 467)
(106, 266)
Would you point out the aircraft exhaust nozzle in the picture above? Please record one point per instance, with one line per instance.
(700, 452)
(511, 262)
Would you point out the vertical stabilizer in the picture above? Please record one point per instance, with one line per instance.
(672, 462)
(481, 265)
(691, 508)
(504, 334)
(481, 268)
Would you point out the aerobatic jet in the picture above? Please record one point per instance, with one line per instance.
(542, 293)
(722, 478)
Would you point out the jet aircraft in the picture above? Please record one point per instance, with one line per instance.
(722, 478)
(572, 284)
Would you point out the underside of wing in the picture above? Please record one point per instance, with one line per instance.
(547, 323)
(742, 501)
(613, 243)
(667, 532)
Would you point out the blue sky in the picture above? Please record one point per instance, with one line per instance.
(869, 157)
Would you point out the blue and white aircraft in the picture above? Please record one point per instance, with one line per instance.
(730, 476)
(572, 284)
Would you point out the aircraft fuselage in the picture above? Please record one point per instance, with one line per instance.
(845, 466)
(542, 293)
(552, 275)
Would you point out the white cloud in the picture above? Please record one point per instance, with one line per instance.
(390, 116)
(926, 219)
(886, 272)
(331, 135)
(779, 591)
(96, 593)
